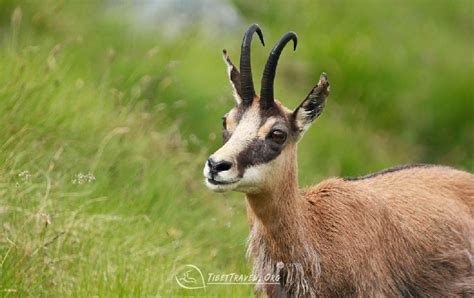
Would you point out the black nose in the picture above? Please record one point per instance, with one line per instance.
(220, 166)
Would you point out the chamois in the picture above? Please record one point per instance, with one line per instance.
(404, 231)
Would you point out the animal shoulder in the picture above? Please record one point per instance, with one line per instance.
(394, 183)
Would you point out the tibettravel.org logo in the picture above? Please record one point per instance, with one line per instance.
(191, 277)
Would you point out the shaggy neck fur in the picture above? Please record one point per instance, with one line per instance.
(277, 239)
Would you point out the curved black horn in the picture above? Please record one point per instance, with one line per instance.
(266, 93)
(248, 91)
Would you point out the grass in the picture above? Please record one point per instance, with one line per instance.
(104, 131)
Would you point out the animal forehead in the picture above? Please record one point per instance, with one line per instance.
(256, 116)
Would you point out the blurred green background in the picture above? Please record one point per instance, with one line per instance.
(109, 109)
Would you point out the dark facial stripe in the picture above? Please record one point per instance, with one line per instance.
(257, 152)
(225, 136)
(240, 112)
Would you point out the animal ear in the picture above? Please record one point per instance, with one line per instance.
(234, 77)
(312, 106)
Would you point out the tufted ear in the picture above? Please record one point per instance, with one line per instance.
(234, 77)
(312, 106)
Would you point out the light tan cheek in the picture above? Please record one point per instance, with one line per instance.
(230, 121)
(265, 129)
(231, 125)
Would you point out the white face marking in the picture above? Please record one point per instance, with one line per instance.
(243, 134)
(253, 177)
(254, 180)
(247, 130)
(249, 145)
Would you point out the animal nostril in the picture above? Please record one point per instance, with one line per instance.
(220, 166)
(211, 163)
(223, 166)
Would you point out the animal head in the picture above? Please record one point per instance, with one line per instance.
(260, 134)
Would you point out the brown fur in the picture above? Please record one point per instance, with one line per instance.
(404, 233)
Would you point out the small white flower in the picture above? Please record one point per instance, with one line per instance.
(25, 176)
(82, 178)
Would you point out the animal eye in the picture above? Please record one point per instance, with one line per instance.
(278, 136)
(224, 122)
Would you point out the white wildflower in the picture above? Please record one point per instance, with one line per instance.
(82, 178)
(25, 176)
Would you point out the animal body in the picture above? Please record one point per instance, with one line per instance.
(405, 231)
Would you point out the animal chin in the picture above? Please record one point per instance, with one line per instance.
(221, 186)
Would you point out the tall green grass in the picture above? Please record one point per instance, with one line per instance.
(104, 131)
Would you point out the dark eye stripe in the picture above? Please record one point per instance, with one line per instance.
(257, 152)
(225, 136)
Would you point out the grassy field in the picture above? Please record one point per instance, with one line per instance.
(106, 121)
